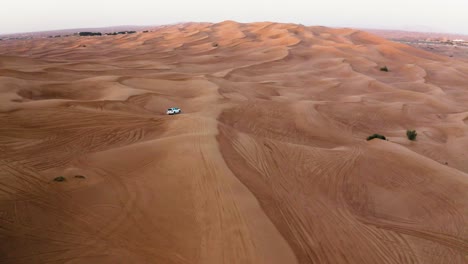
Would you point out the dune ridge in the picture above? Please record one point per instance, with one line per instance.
(267, 163)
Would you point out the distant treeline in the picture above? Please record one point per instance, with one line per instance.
(82, 34)
(59, 36)
(121, 33)
(90, 34)
(85, 34)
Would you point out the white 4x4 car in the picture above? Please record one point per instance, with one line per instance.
(173, 111)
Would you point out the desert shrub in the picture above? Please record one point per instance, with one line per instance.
(215, 44)
(411, 134)
(59, 179)
(80, 177)
(384, 68)
(376, 136)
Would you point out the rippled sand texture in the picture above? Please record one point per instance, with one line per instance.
(268, 162)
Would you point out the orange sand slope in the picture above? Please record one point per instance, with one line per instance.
(268, 162)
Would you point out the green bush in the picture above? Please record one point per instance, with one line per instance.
(384, 68)
(60, 179)
(376, 136)
(411, 134)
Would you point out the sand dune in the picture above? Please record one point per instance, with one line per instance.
(268, 162)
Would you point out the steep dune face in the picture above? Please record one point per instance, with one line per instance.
(268, 162)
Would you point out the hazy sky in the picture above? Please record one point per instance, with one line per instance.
(423, 15)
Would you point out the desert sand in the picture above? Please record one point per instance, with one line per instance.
(268, 162)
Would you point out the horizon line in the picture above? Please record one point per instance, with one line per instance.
(228, 20)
